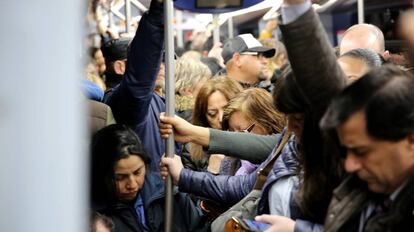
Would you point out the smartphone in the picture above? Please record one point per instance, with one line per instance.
(255, 225)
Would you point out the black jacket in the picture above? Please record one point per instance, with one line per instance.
(186, 215)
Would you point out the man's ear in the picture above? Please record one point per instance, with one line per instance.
(236, 59)
(386, 55)
(119, 67)
(410, 139)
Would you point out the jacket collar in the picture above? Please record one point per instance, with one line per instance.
(154, 188)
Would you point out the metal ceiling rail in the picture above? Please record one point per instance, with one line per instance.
(126, 16)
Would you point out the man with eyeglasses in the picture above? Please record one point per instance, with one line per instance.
(246, 60)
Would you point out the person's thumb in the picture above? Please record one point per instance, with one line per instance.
(264, 218)
(166, 119)
(166, 161)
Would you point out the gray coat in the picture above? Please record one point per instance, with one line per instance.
(246, 146)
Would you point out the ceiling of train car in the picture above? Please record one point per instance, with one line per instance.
(223, 6)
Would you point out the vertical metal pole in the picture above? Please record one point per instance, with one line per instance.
(216, 32)
(230, 27)
(179, 20)
(110, 16)
(170, 103)
(361, 15)
(128, 16)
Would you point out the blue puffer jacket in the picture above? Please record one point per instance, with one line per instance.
(229, 190)
(286, 165)
(301, 223)
(133, 101)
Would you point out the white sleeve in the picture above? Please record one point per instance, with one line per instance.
(279, 196)
(291, 12)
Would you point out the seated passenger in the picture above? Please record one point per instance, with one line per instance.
(124, 189)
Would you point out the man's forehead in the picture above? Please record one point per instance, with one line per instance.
(355, 124)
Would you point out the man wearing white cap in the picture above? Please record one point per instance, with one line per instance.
(246, 59)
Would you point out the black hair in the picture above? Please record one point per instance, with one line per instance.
(287, 96)
(112, 51)
(109, 145)
(321, 171)
(106, 221)
(371, 58)
(386, 97)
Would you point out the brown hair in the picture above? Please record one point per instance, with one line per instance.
(256, 105)
(228, 87)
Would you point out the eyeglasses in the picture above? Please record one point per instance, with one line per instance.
(249, 128)
(257, 54)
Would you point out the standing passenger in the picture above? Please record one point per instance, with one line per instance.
(246, 60)
(358, 62)
(190, 76)
(252, 111)
(133, 101)
(364, 36)
(374, 120)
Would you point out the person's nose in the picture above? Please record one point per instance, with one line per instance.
(220, 115)
(264, 60)
(352, 164)
(132, 183)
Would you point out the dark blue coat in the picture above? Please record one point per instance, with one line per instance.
(186, 215)
(133, 101)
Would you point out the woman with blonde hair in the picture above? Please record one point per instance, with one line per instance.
(252, 111)
(190, 76)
